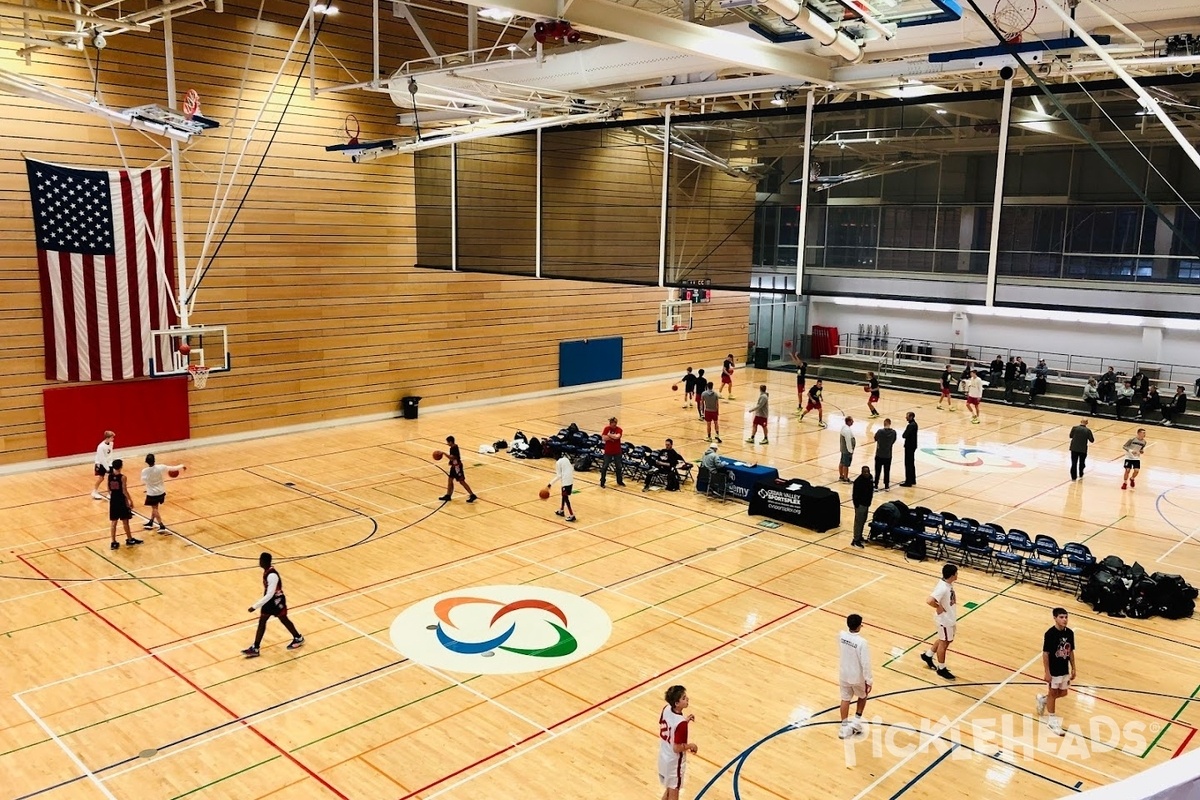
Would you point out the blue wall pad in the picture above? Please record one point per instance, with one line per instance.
(590, 361)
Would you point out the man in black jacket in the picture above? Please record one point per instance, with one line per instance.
(861, 494)
(910, 450)
(1175, 407)
(1010, 379)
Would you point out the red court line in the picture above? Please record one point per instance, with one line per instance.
(188, 681)
(1186, 741)
(594, 706)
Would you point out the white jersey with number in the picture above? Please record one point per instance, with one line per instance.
(944, 594)
(672, 730)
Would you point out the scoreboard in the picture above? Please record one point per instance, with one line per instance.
(696, 291)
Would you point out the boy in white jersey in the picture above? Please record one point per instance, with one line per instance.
(945, 614)
(673, 746)
(154, 478)
(1133, 458)
(564, 473)
(854, 675)
(103, 462)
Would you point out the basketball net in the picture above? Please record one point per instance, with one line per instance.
(1013, 17)
(682, 330)
(199, 374)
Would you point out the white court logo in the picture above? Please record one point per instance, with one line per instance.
(500, 630)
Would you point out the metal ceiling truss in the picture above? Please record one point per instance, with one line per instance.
(38, 25)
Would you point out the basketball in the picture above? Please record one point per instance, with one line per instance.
(544, 493)
(437, 455)
(866, 388)
(675, 387)
(184, 348)
(174, 473)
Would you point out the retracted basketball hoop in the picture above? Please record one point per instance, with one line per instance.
(199, 375)
(1013, 17)
(191, 103)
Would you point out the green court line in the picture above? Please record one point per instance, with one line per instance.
(225, 778)
(967, 614)
(1174, 717)
(98, 722)
(107, 560)
(382, 714)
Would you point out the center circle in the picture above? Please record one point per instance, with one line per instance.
(500, 629)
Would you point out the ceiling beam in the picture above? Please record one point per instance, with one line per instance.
(609, 19)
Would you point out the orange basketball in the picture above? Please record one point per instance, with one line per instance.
(438, 455)
(544, 493)
(675, 387)
(866, 388)
(184, 349)
(174, 473)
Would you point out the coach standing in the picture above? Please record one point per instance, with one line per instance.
(611, 436)
(910, 450)
(1081, 437)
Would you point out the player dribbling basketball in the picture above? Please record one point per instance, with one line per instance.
(674, 746)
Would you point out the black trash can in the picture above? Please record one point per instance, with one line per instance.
(762, 357)
(409, 406)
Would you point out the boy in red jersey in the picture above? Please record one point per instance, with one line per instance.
(673, 746)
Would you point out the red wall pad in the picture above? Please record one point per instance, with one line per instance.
(140, 412)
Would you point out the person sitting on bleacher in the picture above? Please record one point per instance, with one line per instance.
(1151, 403)
(1040, 373)
(1176, 407)
(1107, 386)
(665, 463)
(1091, 396)
(1124, 397)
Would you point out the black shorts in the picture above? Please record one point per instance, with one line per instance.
(276, 607)
(117, 513)
(566, 491)
(100, 470)
(456, 473)
(1133, 463)
(156, 499)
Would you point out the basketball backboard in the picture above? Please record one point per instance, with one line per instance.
(180, 348)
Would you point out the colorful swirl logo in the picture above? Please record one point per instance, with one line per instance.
(565, 645)
(972, 457)
(500, 629)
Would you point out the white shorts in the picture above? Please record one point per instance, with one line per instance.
(670, 775)
(853, 691)
(1060, 682)
(945, 633)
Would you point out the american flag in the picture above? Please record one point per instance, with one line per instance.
(106, 267)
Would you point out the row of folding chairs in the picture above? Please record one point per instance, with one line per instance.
(988, 546)
(637, 460)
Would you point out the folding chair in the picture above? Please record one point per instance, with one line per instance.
(718, 484)
(1008, 562)
(976, 549)
(1079, 555)
(1047, 547)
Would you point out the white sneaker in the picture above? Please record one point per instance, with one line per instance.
(845, 731)
(97, 496)
(1041, 705)
(856, 727)
(1056, 728)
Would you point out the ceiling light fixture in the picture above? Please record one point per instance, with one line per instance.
(326, 7)
(496, 14)
(783, 96)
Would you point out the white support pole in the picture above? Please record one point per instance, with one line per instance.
(666, 191)
(374, 44)
(454, 207)
(537, 210)
(181, 284)
(998, 195)
(1148, 102)
(472, 29)
(312, 51)
(802, 233)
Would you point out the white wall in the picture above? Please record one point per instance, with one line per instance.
(1024, 336)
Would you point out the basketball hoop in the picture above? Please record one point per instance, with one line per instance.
(1013, 17)
(199, 374)
(191, 103)
(682, 330)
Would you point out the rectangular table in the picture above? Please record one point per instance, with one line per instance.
(744, 477)
(798, 502)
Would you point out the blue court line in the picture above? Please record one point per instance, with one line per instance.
(738, 760)
(924, 772)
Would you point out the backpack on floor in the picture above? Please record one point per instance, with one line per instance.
(916, 549)
(535, 449)
(584, 463)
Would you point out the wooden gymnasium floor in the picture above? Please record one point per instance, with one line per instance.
(122, 677)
